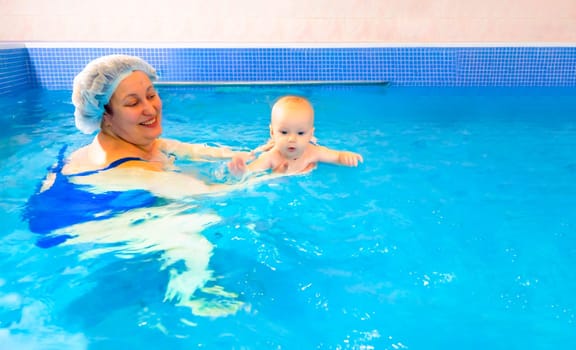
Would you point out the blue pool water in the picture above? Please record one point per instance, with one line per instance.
(457, 232)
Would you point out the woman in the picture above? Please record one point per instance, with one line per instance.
(114, 96)
(115, 192)
(127, 165)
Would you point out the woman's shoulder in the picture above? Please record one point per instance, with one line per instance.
(79, 161)
(90, 159)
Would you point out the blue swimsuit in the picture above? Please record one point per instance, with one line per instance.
(65, 203)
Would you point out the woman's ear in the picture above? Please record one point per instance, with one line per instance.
(105, 120)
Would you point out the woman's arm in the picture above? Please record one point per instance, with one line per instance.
(193, 151)
(166, 184)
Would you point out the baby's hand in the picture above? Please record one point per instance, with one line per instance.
(237, 164)
(349, 158)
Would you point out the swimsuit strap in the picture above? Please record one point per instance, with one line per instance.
(114, 164)
(61, 161)
(120, 161)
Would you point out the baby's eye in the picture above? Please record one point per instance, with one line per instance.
(283, 132)
(300, 133)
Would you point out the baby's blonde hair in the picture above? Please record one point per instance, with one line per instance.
(291, 101)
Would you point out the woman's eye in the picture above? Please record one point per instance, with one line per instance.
(151, 96)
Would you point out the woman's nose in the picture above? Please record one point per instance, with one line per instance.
(149, 107)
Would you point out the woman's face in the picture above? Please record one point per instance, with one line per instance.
(135, 111)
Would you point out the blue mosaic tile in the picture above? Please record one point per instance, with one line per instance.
(14, 70)
(519, 66)
(55, 68)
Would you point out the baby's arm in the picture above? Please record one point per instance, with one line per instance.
(327, 155)
(238, 164)
(262, 163)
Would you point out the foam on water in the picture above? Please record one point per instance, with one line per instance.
(176, 235)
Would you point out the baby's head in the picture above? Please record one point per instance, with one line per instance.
(293, 109)
(292, 125)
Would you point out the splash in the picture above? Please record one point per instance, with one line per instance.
(175, 233)
(35, 331)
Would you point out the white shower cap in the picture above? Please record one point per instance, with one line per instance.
(94, 86)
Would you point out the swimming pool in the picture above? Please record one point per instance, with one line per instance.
(456, 232)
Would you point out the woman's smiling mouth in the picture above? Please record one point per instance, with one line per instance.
(149, 123)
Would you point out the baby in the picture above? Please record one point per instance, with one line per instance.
(292, 148)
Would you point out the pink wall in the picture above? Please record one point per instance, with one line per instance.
(290, 21)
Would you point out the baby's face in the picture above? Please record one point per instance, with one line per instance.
(292, 129)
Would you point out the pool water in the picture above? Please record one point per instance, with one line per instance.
(458, 231)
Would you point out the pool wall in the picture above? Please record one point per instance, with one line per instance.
(43, 66)
(15, 68)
